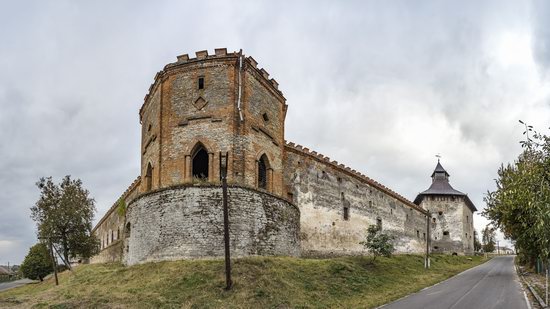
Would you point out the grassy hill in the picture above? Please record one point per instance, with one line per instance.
(259, 282)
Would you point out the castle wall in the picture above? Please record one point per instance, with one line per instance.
(187, 222)
(110, 229)
(322, 189)
(150, 139)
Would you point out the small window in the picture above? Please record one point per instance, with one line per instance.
(201, 82)
(339, 179)
(424, 236)
(346, 213)
(467, 219)
(265, 117)
(391, 211)
(433, 220)
(342, 196)
(379, 223)
(445, 233)
(370, 203)
(436, 247)
(149, 128)
(290, 196)
(417, 234)
(440, 213)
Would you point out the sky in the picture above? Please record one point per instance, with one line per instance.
(380, 86)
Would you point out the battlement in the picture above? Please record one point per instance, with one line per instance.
(347, 170)
(203, 55)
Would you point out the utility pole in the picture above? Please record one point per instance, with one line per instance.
(223, 175)
(427, 260)
(53, 263)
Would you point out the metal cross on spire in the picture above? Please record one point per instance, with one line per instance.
(438, 156)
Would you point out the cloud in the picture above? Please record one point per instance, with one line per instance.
(379, 86)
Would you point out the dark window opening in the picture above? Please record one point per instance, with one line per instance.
(391, 211)
(417, 234)
(467, 219)
(262, 172)
(433, 220)
(339, 179)
(118, 233)
(342, 196)
(149, 178)
(265, 117)
(445, 233)
(379, 223)
(290, 196)
(200, 164)
(149, 128)
(201, 82)
(127, 230)
(112, 236)
(436, 247)
(440, 213)
(424, 236)
(346, 213)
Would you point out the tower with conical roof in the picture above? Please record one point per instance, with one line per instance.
(451, 221)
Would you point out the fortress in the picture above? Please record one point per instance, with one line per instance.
(284, 199)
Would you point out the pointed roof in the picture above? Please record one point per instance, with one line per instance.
(441, 186)
(439, 168)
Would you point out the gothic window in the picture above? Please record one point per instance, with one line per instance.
(127, 230)
(112, 236)
(200, 163)
(149, 178)
(262, 172)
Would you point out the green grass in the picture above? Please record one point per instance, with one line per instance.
(259, 282)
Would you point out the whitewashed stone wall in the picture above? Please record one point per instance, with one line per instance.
(187, 222)
(321, 190)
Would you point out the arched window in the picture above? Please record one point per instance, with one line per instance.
(127, 230)
(149, 178)
(200, 163)
(262, 172)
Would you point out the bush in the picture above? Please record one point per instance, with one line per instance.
(378, 243)
(37, 263)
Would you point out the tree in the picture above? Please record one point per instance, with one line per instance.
(37, 263)
(378, 243)
(520, 204)
(477, 244)
(64, 215)
(488, 239)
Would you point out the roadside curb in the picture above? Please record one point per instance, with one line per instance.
(531, 289)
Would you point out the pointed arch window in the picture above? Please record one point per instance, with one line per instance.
(149, 178)
(263, 165)
(200, 163)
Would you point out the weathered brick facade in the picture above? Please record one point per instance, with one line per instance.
(199, 109)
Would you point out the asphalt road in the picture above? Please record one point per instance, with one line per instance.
(13, 284)
(494, 284)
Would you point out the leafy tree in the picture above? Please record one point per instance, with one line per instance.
(488, 238)
(37, 263)
(64, 215)
(477, 244)
(378, 243)
(520, 206)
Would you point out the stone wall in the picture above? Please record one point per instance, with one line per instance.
(187, 222)
(110, 229)
(323, 189)
(451, 224)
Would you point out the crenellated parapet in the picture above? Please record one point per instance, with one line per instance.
(290, 146)
(125, 195)
(219, 54)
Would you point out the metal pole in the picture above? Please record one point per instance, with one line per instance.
(223, 172)
(427, 262)
(546, 282)
(54, 264)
